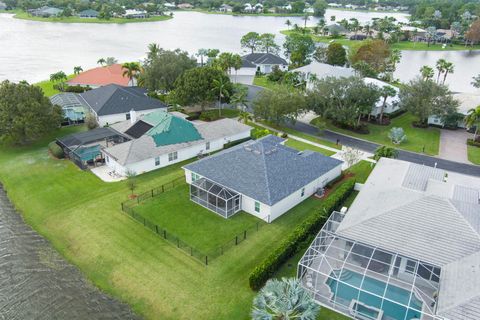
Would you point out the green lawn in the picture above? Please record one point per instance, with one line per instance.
(262, 81)
(417, 138)
(47, 86)
(403, 45)
(474, 154)
(361, 170)
(80, 215)
(193, 224)
(304, 146)
(26, 16)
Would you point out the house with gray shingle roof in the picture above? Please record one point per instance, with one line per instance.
(264, 178)
(407, 248)
(265, 62)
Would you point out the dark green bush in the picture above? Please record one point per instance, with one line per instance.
(290, 246)
(210, 115)
(475, 143)
(55, 150)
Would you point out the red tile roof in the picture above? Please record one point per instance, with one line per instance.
(101, 76)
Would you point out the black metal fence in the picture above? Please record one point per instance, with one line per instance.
(204, 257)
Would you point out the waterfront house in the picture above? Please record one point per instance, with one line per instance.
(89, 13)
(101, 76)
(265, 62)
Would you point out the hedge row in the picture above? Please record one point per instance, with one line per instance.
(290, 246)
(475, 143)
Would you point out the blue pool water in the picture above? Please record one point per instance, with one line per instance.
(88, 153)
(350, 292)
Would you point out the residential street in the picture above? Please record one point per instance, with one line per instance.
(402, 155)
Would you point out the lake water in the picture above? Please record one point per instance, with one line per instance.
(32, 50)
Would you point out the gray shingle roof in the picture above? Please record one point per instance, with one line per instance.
(113, 99)
(264, 58)
(264, 170)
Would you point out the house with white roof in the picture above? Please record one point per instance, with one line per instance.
(407, 248)
(159, 139)
(317, 70)
(264, 178)
(392, 104)
(467, 101)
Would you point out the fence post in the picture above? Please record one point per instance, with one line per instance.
(178, 243)
(152, 193)
(236, 240)
(162, 188)
(165, 233)
(257, 226)
(156, 229)
(191, 251)
(206, 260)
(144, 223)
(221, 249)
(122, 207)
(245, 234)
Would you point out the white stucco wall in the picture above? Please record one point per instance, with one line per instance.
(267, 68)
(114, 118)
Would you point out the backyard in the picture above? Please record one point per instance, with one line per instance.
(417, 140)
(80, 215)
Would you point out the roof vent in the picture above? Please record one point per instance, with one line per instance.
(257, 152)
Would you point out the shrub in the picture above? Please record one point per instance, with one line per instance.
(474, 143)
(257, 133)
(91, 121)
(210, 115)
(55, 150)
(397, 135)
(292, 243)
(77, 89)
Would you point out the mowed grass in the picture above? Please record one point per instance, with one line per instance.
(474, 154)
(262, 81)
(417, 138)
(47, 86)
(302, 146)
(80, 215)
(199, 227)
(361, 170)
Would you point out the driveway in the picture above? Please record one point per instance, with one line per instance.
(453, 145)
(243, 79)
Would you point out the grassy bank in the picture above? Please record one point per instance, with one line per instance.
(418, 139)
(262, 81)
(80, 215)
(26, 16)
(474, 154)
(403, 45)
(47, 86)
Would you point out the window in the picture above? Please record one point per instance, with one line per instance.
(410, 266)
(303, 192)
(157, 161)
(195, 176)
(207, 145)
(257, 206)
(127, 115)
(173, 156)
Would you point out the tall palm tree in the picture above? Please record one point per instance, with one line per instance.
(77, 70)
(239, 97)
(101, 61)
(386, 91)
(220, 89)
(440, 65)
(202, 53)
(395, 57)
(153, 50)
(305, 19)
(427, 72)
(354, 25)
(288, 23)
(284, 299)
(236, 64)
(244, 117)
(131, 70)
(448, 68)
(473, 120)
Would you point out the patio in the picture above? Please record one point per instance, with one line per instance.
(106, 174)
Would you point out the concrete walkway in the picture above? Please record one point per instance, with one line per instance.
(453, 145)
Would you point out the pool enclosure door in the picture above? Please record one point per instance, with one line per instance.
(214, 197)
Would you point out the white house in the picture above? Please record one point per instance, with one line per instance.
(135, 14)
(317, 70)
(467, 101)
(225, 8)
(265, 62)
(407, 248)
(159, 139)
(262, 177)
(392, 103)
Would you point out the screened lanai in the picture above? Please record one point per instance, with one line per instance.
(215, 197)
(366, 282)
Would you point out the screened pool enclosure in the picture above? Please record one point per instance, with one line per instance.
(366, 282)
(215, 197)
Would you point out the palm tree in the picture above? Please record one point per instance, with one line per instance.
(305, 19)
(440, 65)
(202, 53)
(110, 60)
(386, 91)
(385, 152)
(244, 117)
(153, 50)
(284, 299)
(448, 68)
(427, 72)
(473, 120)
(220, 88)
(131, 70)
(59, 79)
(288, 23)
(239, 98)
(77, 70)
(101, 61)
(395, 57)
(236, 64)
(354, 25)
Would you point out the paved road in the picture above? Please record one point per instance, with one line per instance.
(402, 155)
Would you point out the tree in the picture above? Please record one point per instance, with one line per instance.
(244, 117)
(376, 53)
(397, 135)
(131, 70)
(440, 65)
(473, 120)
(306, 17)
(201, 53)
(336, 54)
(161, 72)
(279, 105)
(476, 81)
(224, 62)
(59, 79)
(395, 57)
(195, 86)
(101, 61)
(267, 43)
(298, 6)
(153, 51)
(430, 35)
(448, 68)
(284, 299)
(25, 113)
(221, 88)
(77, 70)
(250, 41)
(425, 98)
(343, 100)
(385, 92)
(320, 54)
(91, 121)
(354, 25)
(385, 152)
(240, 96)
(288, 23)
(299, 48)
(351, 156)
(110, 60)
(427, 72)
(237, 63)
(131, 181)
(319, 8)
(473, 33)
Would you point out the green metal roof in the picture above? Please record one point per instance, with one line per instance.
(168, 129)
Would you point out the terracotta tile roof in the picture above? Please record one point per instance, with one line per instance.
(101, 76)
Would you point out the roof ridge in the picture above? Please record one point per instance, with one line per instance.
(267, 178)
(449, 200)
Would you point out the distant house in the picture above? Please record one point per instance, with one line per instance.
(317, 70)
(413, 33)
(264, 178)
(467, 101)
(185, 6)
(248, 8)
(46, 12)
(287, 7)
(336, 29)
(135, 14)
(245, 74)
(89, 13)
(225, 8)
(159, 139)
(169, 5)
(335, 5)
(101, 76)
(392, 103)
(266, 61)
(3, 6)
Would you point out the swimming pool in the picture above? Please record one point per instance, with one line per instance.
(344, 293)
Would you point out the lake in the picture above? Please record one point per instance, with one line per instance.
(32, 50)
